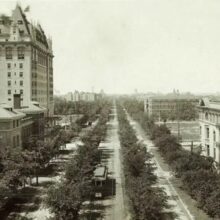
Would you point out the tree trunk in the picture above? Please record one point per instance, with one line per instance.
(37, 180)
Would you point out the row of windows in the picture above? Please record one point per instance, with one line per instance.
(210, 117)
(10, 92)
(21, 83)
(20, 74)
(16, 123)
(4, 22)
(9, 53)
(39, 99)
(9, 65)
(9, 99)
(208, 134)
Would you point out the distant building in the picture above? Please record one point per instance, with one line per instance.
(76, 96)
(26, 62)
(87, 96)
(162, 106)
(69, 96)
(209, 118)
(83, 96)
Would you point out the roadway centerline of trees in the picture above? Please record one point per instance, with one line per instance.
(147, 201)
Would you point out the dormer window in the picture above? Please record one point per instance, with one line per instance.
(20, 22)
(21, 32)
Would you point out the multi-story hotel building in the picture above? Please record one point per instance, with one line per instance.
(209, 118)
(26, 62)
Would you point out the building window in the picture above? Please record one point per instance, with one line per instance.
(208, 150)
(18, 140)
(207, 132)
(21, 74)
(206, 116)
(9, 92)
(20, 22)
(21, 83)
(21, 91)
(9, 66)
(9, 83)
(9, 99)
(214, 153)
(8, 53)
(214, 136)
(20, 53)
(14, 141)
(21, 65)
(9, 74)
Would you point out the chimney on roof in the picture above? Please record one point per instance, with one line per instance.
(17, 101)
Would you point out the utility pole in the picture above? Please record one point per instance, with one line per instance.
(191, 147)
(178, 119)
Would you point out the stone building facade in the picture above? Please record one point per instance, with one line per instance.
(209, 119)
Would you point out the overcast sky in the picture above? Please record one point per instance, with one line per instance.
(150, 45)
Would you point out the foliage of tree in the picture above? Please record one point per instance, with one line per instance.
(199, 177)
(147, 200)
(65, 198)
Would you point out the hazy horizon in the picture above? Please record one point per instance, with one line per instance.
(120, 46)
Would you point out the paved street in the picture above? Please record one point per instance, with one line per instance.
(113, 206)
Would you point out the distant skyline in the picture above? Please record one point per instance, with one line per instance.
(120, 46)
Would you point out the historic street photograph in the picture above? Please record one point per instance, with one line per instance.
(109, 110)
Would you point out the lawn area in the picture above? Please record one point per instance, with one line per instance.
(189, 130)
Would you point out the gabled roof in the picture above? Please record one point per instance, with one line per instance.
(204, 102)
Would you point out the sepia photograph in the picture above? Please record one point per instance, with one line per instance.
(109, 110)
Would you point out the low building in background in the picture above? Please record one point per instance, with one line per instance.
(209, 118)
(168, 107)
(10, 126)
(84, 96)
(19, 123)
